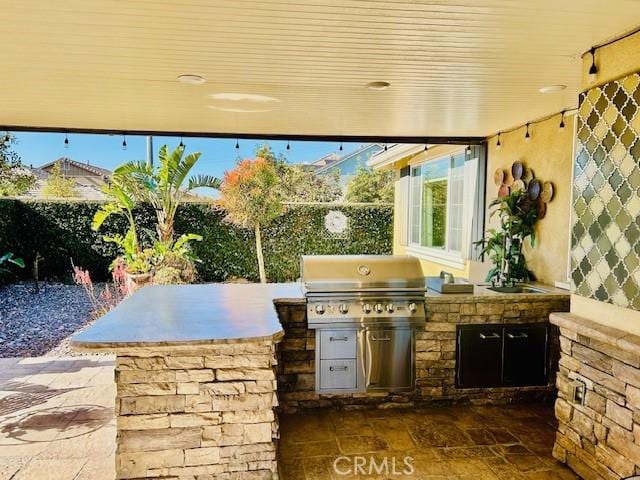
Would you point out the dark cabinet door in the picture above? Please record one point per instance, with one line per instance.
(525, 355)
(479, 356)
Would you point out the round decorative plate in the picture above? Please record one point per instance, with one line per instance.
(534, 189)
(547, 192)
(542, 208)
(527, 175)
(508, 179)
(518, 186)
(498, 176)
(516, 170)
(503, 191)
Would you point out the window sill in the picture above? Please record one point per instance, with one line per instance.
(446, 259)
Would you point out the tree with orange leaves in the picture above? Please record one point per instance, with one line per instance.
(252, 197)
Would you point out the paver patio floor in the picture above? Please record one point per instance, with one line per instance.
(57, 423)
(460, 442)
(57, 418)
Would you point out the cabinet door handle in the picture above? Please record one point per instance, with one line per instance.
(380, 339)
(342, 368)
(517, 335)
(490, 336)
(338, 339)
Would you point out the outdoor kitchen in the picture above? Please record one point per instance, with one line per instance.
(207, 370)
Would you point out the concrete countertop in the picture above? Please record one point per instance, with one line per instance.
(170, 315)
(482, 293)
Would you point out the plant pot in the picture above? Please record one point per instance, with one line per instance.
(134, 281)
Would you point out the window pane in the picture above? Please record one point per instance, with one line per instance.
(414, 205)
(456, 203)
(434, 203)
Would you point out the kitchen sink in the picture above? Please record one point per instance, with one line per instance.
(517, 289)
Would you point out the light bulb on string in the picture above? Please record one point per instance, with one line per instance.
(237, 144)
(527, 135)
(288, 145)
(562, 120)
(426, 147)
(498, 143)
(593, 69)
(340, 146)
(385, 147)
(181, 145)
(124, 142)
(66, 141)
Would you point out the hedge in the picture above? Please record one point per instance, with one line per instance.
(60, 231)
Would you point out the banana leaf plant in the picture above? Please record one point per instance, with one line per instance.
(518, 216)
(9, 259)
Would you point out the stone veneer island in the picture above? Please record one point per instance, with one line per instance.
(196, 388)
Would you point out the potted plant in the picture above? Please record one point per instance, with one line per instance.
(504, 245)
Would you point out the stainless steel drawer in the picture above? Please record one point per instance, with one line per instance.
(338, 375)
(338, 344)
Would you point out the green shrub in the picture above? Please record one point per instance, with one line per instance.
(62, 230)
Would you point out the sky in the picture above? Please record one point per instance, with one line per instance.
(218, 155)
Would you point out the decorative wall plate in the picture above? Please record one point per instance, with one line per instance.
(547, 192)
(503, 191)
(534, 189)
(518, 186)
(527, 175)
(335, 221)
(542, 208)
(516, 170)
(498, 176)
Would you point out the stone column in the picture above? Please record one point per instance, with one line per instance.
(197, 412)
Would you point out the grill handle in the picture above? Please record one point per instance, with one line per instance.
(380, 339)
(342, 368)
(489, 336)
(338, 339)
(519, 335)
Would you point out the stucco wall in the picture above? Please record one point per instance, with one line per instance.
(549, 153)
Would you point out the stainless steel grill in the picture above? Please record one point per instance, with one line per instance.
(374, 301)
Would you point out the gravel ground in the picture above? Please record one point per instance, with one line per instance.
(40, 324)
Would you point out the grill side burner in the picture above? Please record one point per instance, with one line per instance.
(365, 309)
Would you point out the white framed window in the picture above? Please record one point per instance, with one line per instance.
(439, 210)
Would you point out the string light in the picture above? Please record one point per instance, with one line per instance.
(340, 146)
(237, 144)
(288, 145)
(468, 148)
(426, 147)
(124, 142)
(181, 145)
(527, 135)
(66, 141)
(7, 138)
(385, 147)
(562, 120)
(593, 69)
(498, 143)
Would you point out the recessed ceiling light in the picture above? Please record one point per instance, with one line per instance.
(243, 97)
(191, 79)
(553, 89)
(378, 85)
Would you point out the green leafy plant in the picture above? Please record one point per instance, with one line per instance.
(371, 186)
(58, 185)
(7, 260)
(518, 217)
(15, 178)
(165, 187)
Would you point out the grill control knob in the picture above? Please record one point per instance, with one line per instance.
(390, 307)
(320, 309)
(413, 308)
(366, 308)
(378, 308)
(343, 308)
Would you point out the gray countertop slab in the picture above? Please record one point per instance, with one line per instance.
(483, 294)
(168, 315)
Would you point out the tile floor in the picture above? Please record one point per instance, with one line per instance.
(57, 418)
(57, 423)
(461, 443)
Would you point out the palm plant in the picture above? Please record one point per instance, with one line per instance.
(164, 188)
(518, 216)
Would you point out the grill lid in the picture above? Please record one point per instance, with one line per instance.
(356, 273)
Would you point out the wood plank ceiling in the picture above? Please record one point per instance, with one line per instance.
(456, 68)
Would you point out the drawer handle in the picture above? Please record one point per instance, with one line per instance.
(519, 335)
(380, 339)
(342, 368)
(338, 339)
(489, 337)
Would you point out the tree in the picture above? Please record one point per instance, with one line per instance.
(164, 188)
(15, 179)
(371, 186)
(298, 183)
(58, 185)
(252, 197)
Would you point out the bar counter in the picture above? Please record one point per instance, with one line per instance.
(196, 387)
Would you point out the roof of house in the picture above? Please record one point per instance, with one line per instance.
(347, 157)
(90, 169)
